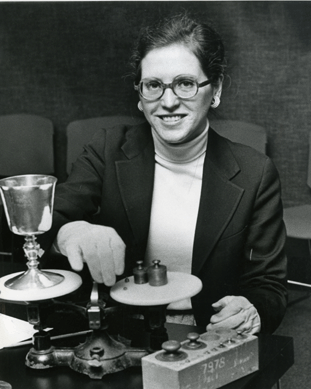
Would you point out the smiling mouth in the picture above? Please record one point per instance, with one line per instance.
(171, 118)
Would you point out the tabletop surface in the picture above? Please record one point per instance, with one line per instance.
(276, 356)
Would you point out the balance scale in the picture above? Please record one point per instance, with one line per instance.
(28, 202)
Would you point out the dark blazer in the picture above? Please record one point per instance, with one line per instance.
(239, 238)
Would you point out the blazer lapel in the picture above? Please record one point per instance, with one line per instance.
(135, 178)
(219, 198)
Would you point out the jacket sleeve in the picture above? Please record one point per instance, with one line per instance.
(79, 197)
(263, 281)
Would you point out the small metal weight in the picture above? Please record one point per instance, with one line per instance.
(171, 352)
(140, 273)
(157, 274)
(194, 343)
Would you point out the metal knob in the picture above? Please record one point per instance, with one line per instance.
(171, 352)
(194, 342)
(171, 347)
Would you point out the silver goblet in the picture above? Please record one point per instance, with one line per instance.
(28, 203)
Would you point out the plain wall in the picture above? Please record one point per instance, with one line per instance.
(68, 61)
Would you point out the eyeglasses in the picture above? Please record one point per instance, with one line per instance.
(183, 87)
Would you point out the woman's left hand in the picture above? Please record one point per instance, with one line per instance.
(235, 312)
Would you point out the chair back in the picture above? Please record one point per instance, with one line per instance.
(26, 145)
(242, 132)
(80, 132)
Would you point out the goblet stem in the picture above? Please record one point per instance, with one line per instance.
(33, 278)
(32, 251)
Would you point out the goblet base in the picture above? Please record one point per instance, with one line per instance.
(71, 282)
(34, 279)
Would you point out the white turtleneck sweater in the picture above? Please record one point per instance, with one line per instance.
(175, 204)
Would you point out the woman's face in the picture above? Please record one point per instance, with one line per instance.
(174, 119)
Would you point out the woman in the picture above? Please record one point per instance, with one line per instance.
(172, 189)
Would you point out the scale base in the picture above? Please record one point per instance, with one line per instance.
(98, 356)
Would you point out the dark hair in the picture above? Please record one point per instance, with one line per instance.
(200, 38)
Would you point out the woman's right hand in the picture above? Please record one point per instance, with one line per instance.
(100, 247)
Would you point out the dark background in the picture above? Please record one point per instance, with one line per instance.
(69, 60)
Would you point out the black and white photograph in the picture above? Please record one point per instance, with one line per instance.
(155, 194)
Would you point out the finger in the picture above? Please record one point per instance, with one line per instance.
(251, 326)
(99, 266)
(225, 313)
(75, 257)
(231, 322)
(108, 273)
(222, 302)
(95, 270)
(250, 313)
(105, 262)
(245, 327)
(252, 323)
(118, 255)
(255, 328)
